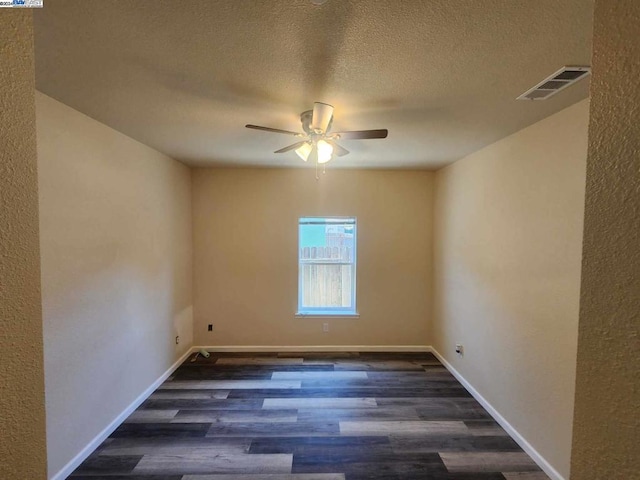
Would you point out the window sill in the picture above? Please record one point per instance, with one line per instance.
(326, 315)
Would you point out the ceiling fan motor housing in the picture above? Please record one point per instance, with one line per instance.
(305, 118)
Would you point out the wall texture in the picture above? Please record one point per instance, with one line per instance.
(115, 222)
(245, 243)
(22, 414)
(508, 235)
(607, 410)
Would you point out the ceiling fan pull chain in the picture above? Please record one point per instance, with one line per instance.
(317, 177)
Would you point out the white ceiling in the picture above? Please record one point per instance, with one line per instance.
(185, 76)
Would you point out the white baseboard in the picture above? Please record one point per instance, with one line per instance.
(108, 430)
(314, 348)
(520, 440)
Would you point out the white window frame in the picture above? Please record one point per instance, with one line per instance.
(329, 311)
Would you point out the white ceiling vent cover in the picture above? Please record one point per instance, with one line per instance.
(554, 83)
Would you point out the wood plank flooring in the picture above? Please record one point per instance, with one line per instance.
(310, 416)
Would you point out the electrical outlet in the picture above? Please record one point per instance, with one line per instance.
(459, 349)
(177, 339)
(325, 327)
(210, 327)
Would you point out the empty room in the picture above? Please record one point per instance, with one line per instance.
(319, 239)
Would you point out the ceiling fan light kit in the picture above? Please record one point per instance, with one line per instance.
(319, 145)
(321, 117)
(304, 150)
(325, 151)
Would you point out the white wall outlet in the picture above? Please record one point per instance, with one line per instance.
(177, 339)
(325, 327)
(459, 349)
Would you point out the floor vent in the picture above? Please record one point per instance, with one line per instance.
(553, 84)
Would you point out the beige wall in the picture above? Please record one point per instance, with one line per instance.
(22, 413)
(508, 235)
(115, 221)
(607, 410)
(245, 245)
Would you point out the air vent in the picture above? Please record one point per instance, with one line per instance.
(553, 84)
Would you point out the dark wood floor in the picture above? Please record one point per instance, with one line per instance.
(310, 416)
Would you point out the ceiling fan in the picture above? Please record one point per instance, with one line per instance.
(319, 144)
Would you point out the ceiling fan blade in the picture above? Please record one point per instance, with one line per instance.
(362, 134)
(337, 149)
(295, 146)
(274, 130)
(322, 114)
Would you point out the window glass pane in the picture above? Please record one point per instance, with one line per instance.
(326, 285)
(327, 255)
(321, 238)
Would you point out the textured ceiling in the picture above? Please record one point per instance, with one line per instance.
(185, 76)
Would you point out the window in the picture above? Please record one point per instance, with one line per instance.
(327, 266)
